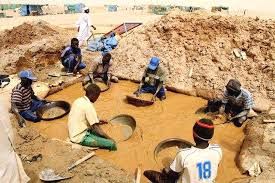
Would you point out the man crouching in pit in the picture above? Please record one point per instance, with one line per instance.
(83, 123)
(236, 103)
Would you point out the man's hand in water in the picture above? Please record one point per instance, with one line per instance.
(137, 93)
(153, 98)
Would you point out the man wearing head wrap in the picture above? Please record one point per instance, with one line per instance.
(236, 102)
(83, 25)
(152, 80)
(193, 165)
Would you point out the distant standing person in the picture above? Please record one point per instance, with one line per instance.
(83, 26)
(198, 164)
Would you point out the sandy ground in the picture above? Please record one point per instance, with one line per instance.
(144, 139)
(103, 21)
(152, 127)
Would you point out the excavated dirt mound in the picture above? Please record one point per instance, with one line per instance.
(196, 50)
(32, 45)
(38, 153)
(25, 34)
(258, 150)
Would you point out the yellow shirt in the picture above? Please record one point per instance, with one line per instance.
(81, 117)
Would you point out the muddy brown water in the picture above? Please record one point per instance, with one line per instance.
(173, 117)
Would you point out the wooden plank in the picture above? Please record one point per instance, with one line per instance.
(269, 120)
(138, 174)
(81, 160)
(121, 28)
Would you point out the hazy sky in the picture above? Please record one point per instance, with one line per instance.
(266, 5)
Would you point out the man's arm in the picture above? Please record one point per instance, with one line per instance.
(91, 117)
(15, 105)
(78, 59)
(141, 83)
(241, 114)
(173, 172)
(159, 86)
(172, 175)
(224, 102)
(63, 54)
(16, 99)
(96, 129)
(160, 79)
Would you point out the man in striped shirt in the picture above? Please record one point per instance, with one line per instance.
(236, 102)
(23, 98)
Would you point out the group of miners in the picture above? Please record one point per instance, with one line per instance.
(196, 164)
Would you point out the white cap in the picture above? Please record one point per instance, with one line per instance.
(85, 8)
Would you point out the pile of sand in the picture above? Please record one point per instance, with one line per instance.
(31, 45)
(25, 34)
(196, 50)
(58, 155)
(258, 149)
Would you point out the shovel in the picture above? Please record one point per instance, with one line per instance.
(49, 175)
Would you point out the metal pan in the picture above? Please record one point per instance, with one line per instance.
(138, 101)
(99, 80)
(128, 120)
(171, 142)
(62, 104)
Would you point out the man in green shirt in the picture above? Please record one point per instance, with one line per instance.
(152, 80)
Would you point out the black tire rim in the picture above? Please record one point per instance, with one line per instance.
(171, 142)
(97, 80)
(61, 104)
(125, 119)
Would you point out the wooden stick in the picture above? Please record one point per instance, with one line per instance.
(269, 120)
(138, 174)
(81, 160)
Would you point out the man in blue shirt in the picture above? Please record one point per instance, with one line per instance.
(71, 57)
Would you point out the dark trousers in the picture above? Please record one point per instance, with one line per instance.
(215, 104)
(30, 114)
(69, 63)
(152, 89)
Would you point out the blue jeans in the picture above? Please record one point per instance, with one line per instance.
(70, 63)
(30, 114)
(152, 89)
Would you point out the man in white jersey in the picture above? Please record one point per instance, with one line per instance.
(198, 164)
